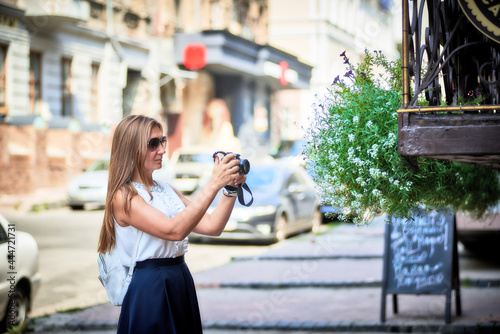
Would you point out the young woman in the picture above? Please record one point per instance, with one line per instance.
(161, 297)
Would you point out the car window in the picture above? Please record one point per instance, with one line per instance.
(293, 180)
(99, 165)
(3, 235)
(262, 178)
(290, 148)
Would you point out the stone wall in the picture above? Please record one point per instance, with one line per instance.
(33, 158)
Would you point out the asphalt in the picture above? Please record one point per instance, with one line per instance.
(328, 282)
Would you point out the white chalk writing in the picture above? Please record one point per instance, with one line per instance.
(417, 249)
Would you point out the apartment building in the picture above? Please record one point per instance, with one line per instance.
(72, 69)
(317, 32)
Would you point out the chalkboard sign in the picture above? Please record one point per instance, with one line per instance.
(421, 257)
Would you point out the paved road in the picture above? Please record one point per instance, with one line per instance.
(305, 285)
(68, 241)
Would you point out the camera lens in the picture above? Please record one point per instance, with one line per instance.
(244, 166)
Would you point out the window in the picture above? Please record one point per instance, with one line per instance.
(35, 82)
(94, 95)
(3, 66)
(3, 235)
(67, 100)
(167, 94)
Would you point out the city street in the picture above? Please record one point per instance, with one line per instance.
(326, 282)
(68, 260)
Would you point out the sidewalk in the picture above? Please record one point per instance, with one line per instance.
(41, 199)
(324, 283)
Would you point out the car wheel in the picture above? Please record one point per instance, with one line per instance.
(280, 231)
(76, 207)
(317, 220)
(17, 309)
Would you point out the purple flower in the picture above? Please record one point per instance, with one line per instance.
(336, 80)
(342, 54)
(470, 93)
(363, 74)
(348, 74)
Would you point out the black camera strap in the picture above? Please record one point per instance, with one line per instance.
(241, 198)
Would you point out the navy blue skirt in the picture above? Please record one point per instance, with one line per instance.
(161, 298)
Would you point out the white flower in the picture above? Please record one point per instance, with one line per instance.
(369, 124)
(355, 119)
(351, 137)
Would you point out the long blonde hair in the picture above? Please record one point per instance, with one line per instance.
(128, 151)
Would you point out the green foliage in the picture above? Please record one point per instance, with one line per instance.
(352, 152)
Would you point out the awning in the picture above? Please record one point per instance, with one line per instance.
(227, 54)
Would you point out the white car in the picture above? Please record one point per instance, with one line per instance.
(193, 167)
(90, 187)
(19, 274)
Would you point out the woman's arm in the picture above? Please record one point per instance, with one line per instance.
(213, 224)
(152, 221)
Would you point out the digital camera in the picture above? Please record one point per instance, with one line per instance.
(244, 164)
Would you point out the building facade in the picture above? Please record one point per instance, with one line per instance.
(317, 32)
(71, 70)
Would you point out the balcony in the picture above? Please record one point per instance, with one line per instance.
(65, 10)
(451, 110)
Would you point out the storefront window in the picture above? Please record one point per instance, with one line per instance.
(67, 109)
(35, 82)
(3, 61)
(94, 95)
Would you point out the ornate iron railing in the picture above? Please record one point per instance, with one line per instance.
(451, 61)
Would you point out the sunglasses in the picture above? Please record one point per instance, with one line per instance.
(154, 143)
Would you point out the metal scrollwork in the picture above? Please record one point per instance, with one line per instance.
(449, 60)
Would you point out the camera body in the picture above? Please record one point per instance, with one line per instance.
(243, 164)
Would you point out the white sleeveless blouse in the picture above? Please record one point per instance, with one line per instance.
(167, 201)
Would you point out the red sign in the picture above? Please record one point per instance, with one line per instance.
(284, 67)
(194, 56)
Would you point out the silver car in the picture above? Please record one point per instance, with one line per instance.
(285, 203)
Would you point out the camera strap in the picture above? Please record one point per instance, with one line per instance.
(241, 197)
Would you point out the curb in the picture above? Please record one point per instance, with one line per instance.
(323, 326)
(464, 283)
(315, 326)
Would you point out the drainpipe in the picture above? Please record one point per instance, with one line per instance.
(110, 31)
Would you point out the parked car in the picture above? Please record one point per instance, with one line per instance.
(285, 204)
(193, 167)
(19, 274)
(290, 150)
(333, 212)
(482, 236)
(90, 187)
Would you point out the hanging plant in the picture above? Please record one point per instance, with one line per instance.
(352, 152)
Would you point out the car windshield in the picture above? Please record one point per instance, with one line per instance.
(263, 178)
(200, 158)
(99, 165)
(290, 148)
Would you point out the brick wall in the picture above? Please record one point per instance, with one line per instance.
(35, 158)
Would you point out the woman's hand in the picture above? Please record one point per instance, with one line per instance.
(226, 171)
